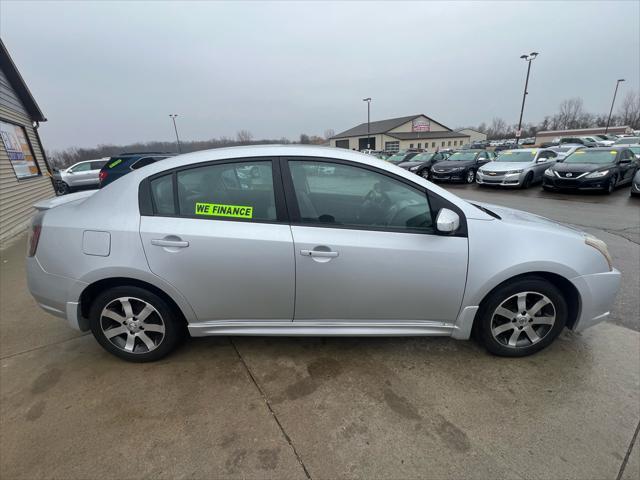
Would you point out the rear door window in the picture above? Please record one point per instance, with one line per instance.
(162, 194)
(229, 191)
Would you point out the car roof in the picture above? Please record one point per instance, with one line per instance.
(605, 149)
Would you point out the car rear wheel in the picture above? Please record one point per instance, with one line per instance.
(134, 324)
(522, 317)
(471, 176)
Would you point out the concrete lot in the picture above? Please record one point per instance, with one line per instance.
(331, 408)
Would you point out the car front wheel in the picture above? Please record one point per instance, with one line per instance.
(611, 186)
(522, 317)
(425, 174)
(471, 176)
(134, 324)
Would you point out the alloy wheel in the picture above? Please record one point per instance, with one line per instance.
(471, 176)
(523, 319)
(425, 174)
(132, 325)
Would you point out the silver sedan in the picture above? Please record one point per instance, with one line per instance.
(517, 168)
(293, 240)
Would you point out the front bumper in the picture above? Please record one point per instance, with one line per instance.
(576, 183)
(597, 294)
(449, 176)
(500, 178)
(55, 294)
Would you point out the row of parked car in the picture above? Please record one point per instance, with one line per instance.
(563, 167)
(101, 172)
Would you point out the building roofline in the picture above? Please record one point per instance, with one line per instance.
(400, 121)
(19, 85)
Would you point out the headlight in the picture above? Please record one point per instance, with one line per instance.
(457, 169)
(603, 173)
(413, 169)
(601, 247)
(510, 172)
(548, 172)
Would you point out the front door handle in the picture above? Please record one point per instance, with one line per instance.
(161, 242)
(318, 253)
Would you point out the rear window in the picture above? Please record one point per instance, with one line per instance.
(162, 194)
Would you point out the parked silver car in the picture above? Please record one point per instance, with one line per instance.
(79, 175)
(517, 168)
(364, 247)
(563, 151)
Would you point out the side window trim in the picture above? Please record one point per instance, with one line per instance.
(148, 208)
(432, 198)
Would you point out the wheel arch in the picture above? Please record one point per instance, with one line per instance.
(568, 290)
(92, 290)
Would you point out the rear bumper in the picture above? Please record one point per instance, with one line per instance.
(55, 294)
(597, 293)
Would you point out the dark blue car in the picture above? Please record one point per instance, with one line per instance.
(120, 165)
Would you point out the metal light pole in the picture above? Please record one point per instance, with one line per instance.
(529, 59)
(368, 100)
(612, 102)
(173, 117)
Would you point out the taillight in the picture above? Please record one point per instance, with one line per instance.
(34, 238)
(102, 175)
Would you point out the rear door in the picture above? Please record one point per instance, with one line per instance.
(366, 249)
(218, 232)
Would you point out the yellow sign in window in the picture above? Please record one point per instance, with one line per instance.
(220, 210)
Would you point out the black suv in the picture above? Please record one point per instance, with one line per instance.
(119, 165)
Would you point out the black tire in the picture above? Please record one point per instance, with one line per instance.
(470, 177)
(548, 189)
(526, 183)
(173, 328)
(535, 286)
(611, 186)
(62, 188)
(425, 173)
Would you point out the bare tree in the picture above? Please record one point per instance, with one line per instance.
(328, 133)
(497, 129)
(244, 136)
(629, 111)
(571, 113)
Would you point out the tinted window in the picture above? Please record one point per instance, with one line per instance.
(162, 193)
(143, 162)
(332, 193)
(97, 165)
(241, 190)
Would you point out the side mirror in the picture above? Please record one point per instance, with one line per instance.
(541, 160)
(447, 221)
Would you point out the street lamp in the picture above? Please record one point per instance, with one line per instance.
(173, 117)
(612, 102)
(368, 100)
(528, 58)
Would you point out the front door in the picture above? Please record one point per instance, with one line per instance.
(226, 246)
(366, 248)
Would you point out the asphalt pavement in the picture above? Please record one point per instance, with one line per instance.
(325, 408)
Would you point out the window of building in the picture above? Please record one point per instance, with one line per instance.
(433, 144)
(411, 145)
(342, 144)
(455, 142)
(392, 146)
(242, 190)
(23, 161)
(443, 143)
(419, 145)
(449, 143)
(349, 196)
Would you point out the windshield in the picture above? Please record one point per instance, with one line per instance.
(635, 149)
(397, 158)
(516, 156)
(592, 156)
(422, 157)
(462, 156)
(627, 140)
(561, 149)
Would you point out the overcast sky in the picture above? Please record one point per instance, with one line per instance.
(110, 72)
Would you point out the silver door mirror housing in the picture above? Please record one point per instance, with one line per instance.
(447, 221)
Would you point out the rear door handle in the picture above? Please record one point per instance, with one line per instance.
(161, 242)
(318, 253)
